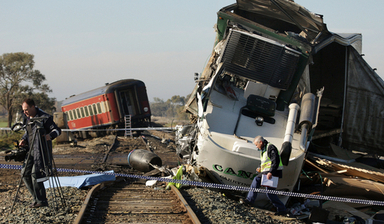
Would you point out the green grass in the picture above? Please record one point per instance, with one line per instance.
(3, 121)
(7, 139)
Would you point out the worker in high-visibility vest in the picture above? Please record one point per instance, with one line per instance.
(271, 165)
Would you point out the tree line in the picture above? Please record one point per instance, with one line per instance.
(19, 80)
(172, 108)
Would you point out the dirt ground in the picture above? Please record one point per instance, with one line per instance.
(9, 179)
(89, 154)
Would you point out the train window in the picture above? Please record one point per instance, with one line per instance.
(86, 111)
(94, 109)
(82, 111)
(103, 110)
(66, 116)
(69, 116)
(90, 110)
(73, 115)
(98, 108)
(78, 113)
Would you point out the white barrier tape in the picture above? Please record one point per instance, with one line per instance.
(219, 186)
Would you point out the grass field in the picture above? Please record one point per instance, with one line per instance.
(3, 121)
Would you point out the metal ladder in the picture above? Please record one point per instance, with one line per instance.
(128, 126)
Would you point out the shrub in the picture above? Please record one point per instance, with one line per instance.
(7, 139)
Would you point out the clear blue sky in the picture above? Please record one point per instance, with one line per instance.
(80, 45)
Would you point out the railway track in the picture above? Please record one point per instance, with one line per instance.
(130, 201)
(126, 200)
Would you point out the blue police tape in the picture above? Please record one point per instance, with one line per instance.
(218, 186)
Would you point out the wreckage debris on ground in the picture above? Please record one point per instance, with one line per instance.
(340, 174)
(210, 204)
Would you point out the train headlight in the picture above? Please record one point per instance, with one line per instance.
(145, 109)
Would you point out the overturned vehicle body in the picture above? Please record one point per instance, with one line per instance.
(276, 71)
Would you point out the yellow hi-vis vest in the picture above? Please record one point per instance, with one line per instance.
(266, 161)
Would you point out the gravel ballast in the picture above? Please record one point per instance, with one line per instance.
(210, 206)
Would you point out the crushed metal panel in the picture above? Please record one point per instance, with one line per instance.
(363, 128)
(342, 186)
(354, 169)
(339, 208)
(344, 39)
(291, 13)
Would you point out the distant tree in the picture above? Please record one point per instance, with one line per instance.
(181, 114)
(2, 111)
(178, 100)
(16, 72)
(172, 108)
(158, 107)
(158, 100)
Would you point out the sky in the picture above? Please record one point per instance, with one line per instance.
(81, 45)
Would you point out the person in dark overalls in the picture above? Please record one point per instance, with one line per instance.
(40, 131)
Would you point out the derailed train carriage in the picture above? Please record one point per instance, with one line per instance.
(107, 106)
(277, 71)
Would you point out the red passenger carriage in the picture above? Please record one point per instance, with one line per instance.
(107, 106)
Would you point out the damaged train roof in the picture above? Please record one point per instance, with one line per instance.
(352, 110)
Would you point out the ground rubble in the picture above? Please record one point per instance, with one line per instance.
(347, 180)
(346, 175)
(213, 205)
(60, 210)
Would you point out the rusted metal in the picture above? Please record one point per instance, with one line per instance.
(129, 200)
(190, 213)
(109, 150)
(85, 203)
(145, 143)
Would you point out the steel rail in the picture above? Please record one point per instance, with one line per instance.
(190, 212)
